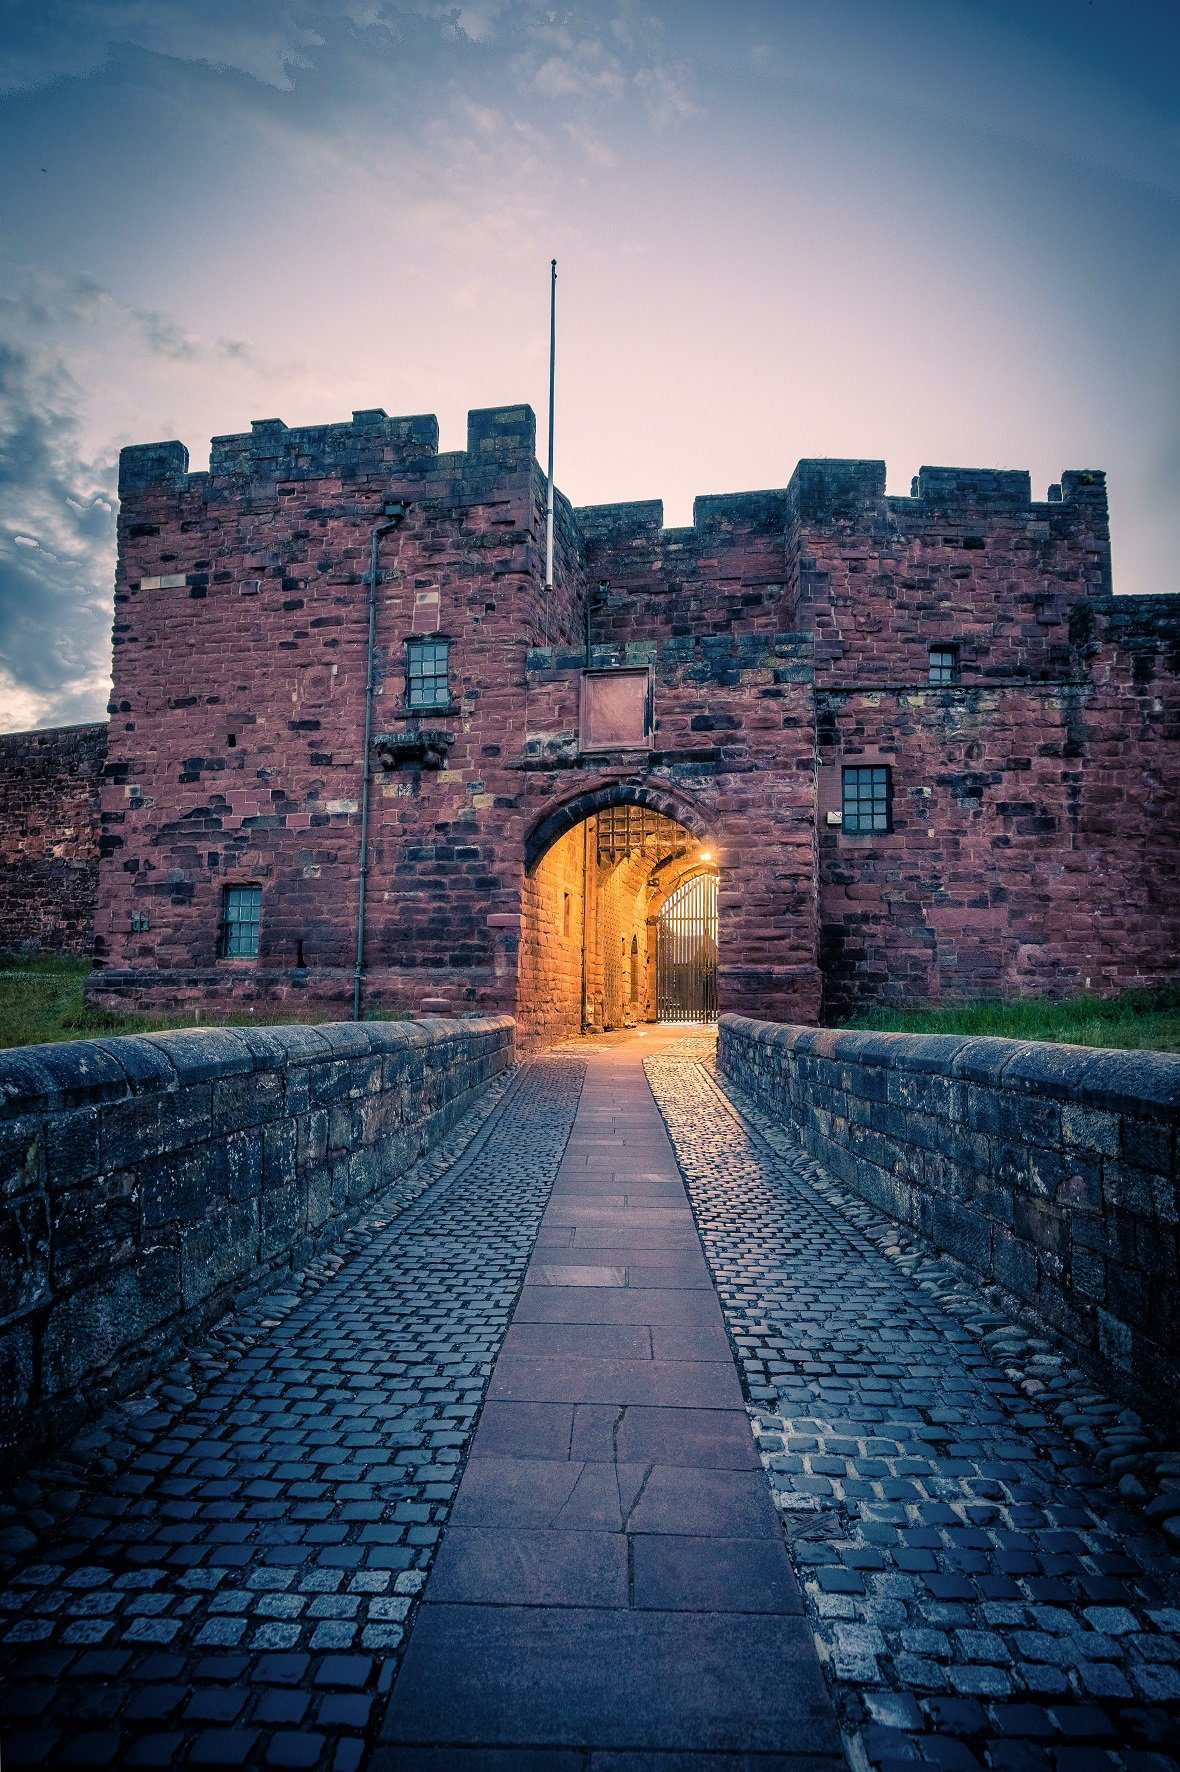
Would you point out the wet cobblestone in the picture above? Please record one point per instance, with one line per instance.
(980, 1592)
(222, 1572)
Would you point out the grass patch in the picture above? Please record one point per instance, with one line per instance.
(41, 999)
(1136, 1020)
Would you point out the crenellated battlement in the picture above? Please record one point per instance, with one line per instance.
(834, 490)
(975, 489)
(503, 439)
(499, 438)
(144, 465)
(274, 450)
(827, 490)
(620, 522)
(759, 512)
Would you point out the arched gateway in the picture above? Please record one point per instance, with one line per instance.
(600, 869)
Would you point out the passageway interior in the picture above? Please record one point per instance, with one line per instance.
(619, 927)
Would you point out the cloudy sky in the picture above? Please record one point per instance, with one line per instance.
(926, 230)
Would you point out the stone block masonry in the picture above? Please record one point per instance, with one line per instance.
(963, 644)
(50, 793)
(1050, 1170)
(150, 1183)
(963, 641)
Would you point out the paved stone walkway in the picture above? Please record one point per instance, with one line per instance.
(232, 1570)
(232, 1584)
(980, 1593)
(613, 1585)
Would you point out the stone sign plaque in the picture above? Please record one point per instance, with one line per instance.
(615, 709)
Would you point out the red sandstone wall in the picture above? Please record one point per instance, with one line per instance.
(728, 572)
(969, 560)
(1034, 849)
(623, 894)
(236, 746)
(242, 612)
(50, 784)
(549, 999)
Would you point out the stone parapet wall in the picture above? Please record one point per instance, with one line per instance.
(151, 1182)
(1051, 1170)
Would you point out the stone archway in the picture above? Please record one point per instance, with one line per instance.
(595, 865)
(556, 820)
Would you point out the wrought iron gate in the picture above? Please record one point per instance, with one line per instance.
(686, 953)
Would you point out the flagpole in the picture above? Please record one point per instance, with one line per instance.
(552, 362)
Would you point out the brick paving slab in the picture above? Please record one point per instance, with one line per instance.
(244, 1546)
(979, 1592)
(612, 1590)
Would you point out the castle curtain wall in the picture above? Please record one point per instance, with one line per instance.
(1034, 847)
(788, 638)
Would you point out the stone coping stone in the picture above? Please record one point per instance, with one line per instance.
(1120, 1081)
(73, 1073)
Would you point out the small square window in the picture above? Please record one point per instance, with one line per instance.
(867, 798)
(944, 664)
(241, 914)
(427, 673)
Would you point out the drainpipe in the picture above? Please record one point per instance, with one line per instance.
(394, 514)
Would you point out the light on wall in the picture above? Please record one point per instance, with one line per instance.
(706, 855)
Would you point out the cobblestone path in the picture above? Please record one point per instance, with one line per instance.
(612, 1593)
(242, 1550)
(226, 1571)
(980, 1593)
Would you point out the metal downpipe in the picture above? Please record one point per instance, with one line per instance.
(395, 515)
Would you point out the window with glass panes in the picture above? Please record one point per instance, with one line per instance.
(867, 798)
(427, 678)
(944, 664)
(241, 914)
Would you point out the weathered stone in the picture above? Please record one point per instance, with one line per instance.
(282, 1217)
(248, 1100)
(123, 1219)
(24, 1253)
(222, 1248)
(150, 1126)
(72, 1146)
(50, 788)
(90, 1328)
(1038, 1192)
(16, 1382)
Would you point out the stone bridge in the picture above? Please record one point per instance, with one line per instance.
(373, 1402)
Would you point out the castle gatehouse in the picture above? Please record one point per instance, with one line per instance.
(822, 748)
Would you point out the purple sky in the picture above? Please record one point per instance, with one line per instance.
(924, 230)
